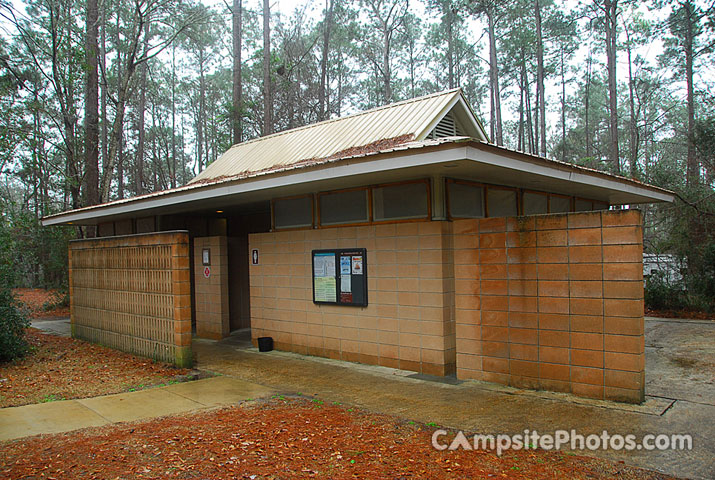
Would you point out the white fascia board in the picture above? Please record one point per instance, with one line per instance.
(348, 169)
(566, 174)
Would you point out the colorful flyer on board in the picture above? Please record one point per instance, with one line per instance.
(325, 290)
(345, 265)
(357, 265)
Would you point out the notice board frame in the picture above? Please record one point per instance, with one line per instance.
(360, 279)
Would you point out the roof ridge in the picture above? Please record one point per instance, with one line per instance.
(356, 114)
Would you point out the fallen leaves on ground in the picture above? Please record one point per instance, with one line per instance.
(36, 300)
(284, 437)
(60, 368)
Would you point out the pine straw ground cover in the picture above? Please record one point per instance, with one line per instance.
(42, 303)
(60, 368)
(282, 438)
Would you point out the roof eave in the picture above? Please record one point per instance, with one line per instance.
(625, 184)
(459, 149)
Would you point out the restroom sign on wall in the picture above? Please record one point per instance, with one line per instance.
(207, 272)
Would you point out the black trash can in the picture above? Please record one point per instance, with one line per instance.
(265, 344)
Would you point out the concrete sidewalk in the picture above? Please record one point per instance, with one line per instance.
(68, 415)
(53, 325)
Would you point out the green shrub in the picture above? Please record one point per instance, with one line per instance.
(13, 323)
(661, 295)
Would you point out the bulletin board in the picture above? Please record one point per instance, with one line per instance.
(340, 276)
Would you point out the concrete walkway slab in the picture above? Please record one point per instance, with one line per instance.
(68, 415)
(217, 391)
(51, 417)
(140, 405)
(60, 326)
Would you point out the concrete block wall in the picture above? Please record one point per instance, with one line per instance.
(409, 321)
(133, 293)
(211, 293)
(552, 302)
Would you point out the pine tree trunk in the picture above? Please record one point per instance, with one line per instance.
(340, 86)
(118, 137)
(611, 7)
(450, 47)
(201, 114)
(237, 74)
(173, 118)
(632, 124)
(540, 78)
(520, 133)
(386, 69)
(693, 167)
(536, 121)
(527, 96)
(267, 92)
(103, 98)
(586, 105)
(494, 76)
(139, 181)
(322, 94)
(91, 106)
(563, 109)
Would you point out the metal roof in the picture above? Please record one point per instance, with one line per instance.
(397, 123)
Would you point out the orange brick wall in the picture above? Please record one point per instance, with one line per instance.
(408, 322)
(552, 302)
(211, 294)
(133, 293)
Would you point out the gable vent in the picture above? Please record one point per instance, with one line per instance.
(446, 127)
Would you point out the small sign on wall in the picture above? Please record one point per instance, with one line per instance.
(254, 256)
(206, 256)
(207, 272)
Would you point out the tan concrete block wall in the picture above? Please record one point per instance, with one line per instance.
(133, 293)
(211, 294)
(552, 302)
(408, 322)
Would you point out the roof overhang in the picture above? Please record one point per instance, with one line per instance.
(458, 158)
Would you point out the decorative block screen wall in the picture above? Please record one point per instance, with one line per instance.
(408, 323)
(552, 302)
(133, 293)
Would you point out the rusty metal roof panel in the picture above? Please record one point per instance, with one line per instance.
(325, 139)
